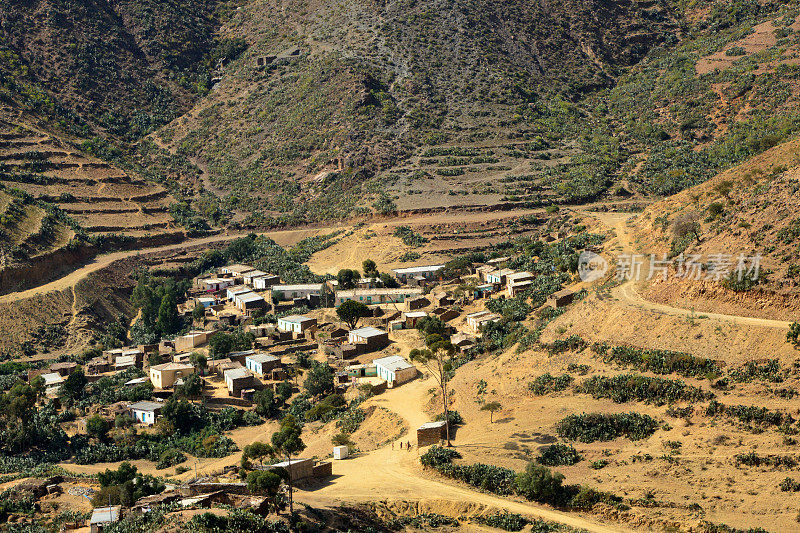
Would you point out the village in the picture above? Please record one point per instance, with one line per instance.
(362, 329)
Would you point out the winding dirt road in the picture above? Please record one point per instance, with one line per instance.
(627, 293)
(103, 261)
(392, 474)
(286, 237)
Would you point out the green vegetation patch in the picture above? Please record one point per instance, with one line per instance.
(591, 427)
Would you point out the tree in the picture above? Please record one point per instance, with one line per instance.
(351, 311)
(388, 281)
(342, 439)
(437, 358)
(283, 391)
(348, 278)
(74, 385)
(224, 343)
(538, 483)
(264, 482)
(155, 358)
(144, 298)
(319, 380)
(492, 407)
(686, 224)
(192, 387)
(265, 404)
(199, 313)
(259, 451)
(180, 415)
(96, 426)
(288, 442)
(168, 322)
(433, 325)
(370, 269)
(794, 334)
(200, 361)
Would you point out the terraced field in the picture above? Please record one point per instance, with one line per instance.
(102, 199)
(485, 173)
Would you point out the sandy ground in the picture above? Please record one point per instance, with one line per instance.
(629, 293)
(702, 472)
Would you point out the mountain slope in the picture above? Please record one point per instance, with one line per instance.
(352, 88)
(751, 209)
(120, 67)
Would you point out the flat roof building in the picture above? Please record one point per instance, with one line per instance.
(296, 323)
(237, 380)
(103, 517)
(262, 363)
(145, 412)
(426, 271)
(395, 370)
(165, 375)
(378, 296)
(290, 292)
(371, 337)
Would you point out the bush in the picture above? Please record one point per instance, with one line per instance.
(775, 461)
(437, 456)
(749, 414)
(657, 361)
(633, 387)
(593, 427)
(409, 236)
(789, 485)
(485, 477)
(454, 418)
(506, 521)
(559, 455)
(547, 383)
(572, 343)
(170, 458)
(538, 483)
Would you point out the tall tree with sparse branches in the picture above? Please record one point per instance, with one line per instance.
(438, 359)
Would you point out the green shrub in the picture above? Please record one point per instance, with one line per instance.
(789, 485)
(751, 415)
(633, 387)
(505, 520)
(547, 383)
(409, 236)
(775, 461)
(657, 361)
(559, 455)
(591, 427)
(437, 456)
(538, 483)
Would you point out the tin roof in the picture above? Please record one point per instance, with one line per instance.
(392, 363)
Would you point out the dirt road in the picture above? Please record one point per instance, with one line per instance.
(627, 293)
(392, 474)
(100, 262)
(287, 237)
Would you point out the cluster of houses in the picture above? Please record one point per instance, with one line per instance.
(237, 294)
(242, 287)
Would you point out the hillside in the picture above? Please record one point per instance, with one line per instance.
(750, 209)
(60, 205)
(331, 95)
(118, 68)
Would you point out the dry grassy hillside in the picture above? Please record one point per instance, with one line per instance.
(331, 94)
(750, 209)
(102, 199)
